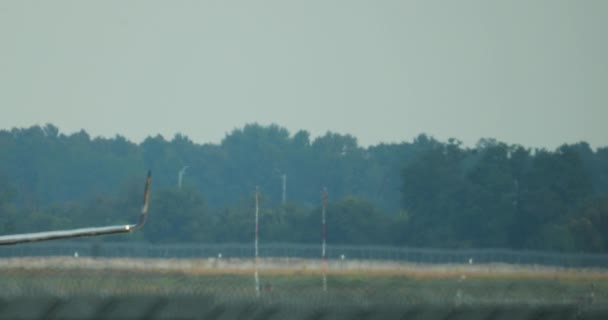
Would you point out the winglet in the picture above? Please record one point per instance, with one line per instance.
(144, 208)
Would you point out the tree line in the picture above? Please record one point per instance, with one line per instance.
(420, 193)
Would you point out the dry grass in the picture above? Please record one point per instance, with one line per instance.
(291, 266)
(297, 280)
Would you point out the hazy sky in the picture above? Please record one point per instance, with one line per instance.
(527, 72)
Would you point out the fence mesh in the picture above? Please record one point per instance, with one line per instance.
(52, 280)
(416, 255)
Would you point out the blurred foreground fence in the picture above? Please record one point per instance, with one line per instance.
(54, 287)
(415, 255)
(197, 308)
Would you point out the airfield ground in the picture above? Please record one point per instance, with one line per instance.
(299, 280)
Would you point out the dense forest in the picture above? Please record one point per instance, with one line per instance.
(423, 193)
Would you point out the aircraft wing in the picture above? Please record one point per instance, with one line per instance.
(82, 232)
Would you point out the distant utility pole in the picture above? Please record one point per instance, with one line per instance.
(180, 176)
(257, 209)
(284, 198)
(323, 236)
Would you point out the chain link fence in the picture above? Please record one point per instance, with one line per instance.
(94, 280)
(335, 252)
(188, 307)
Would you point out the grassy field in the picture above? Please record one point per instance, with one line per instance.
(299, 281)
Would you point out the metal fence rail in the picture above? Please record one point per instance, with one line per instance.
(415, 255)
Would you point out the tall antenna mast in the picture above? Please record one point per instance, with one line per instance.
(323, 236)
(257, 209)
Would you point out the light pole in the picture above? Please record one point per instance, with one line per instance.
(283, 176)
(180, 176)
(284, 198)
(323, 236)
(257, 209)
